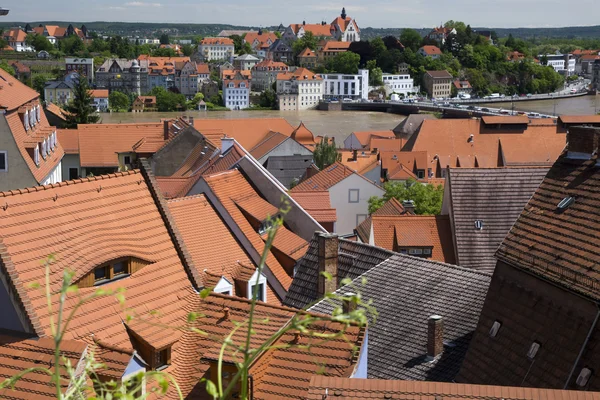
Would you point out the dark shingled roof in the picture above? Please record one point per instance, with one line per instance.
(406, 291)
(354, 259)
(286, 169)
(562, 244)
(495, 196)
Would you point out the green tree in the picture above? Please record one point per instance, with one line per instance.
(326, 153)
(118, 101)
(71, 45)
(164, 39)
(268, 98)
(375, 73)
(39, 42)
(237, 42)
(193, 103)
(8, 68)
(164, 52)
(167, 100)
(344, 63)
(187, 50)
(38, 82)
(428, 198)
(308, 40)
(80, 109)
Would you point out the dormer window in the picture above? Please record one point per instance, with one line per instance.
(26, 120)
(231, 85)
(44, 149)
(111, 271)
(261, 287)
(39, 113)
(36, 155)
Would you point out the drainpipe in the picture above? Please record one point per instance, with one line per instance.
(587, 339)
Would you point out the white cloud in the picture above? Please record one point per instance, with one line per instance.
(142, 4)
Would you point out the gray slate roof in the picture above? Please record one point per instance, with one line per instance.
(354, 259)
(406, 291)
(411, 125)
(288, 168)
(59, 85)
(495, 196)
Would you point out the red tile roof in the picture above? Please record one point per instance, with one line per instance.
(326, 178)
(317, 204)
(217, 41)
(332, 45)
(235, 193)
(365, 161)
(362, 389)
(14, 94)
(248, 132)
(300, 74)
(100, 143)
(303, 135)
(86, 223)
(100, 93)
(283, 372)
(386, 144)
(432, 50)
(414, 231)
(262, 37)
(365, 137)
(307, 52)
(316, 29)
(18, 354)
(579, 119)
(439, 74)
(69, 139)
(57, 111)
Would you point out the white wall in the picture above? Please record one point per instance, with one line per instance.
(54, 176)
(289, 147)
(347, 213)
(70, 161)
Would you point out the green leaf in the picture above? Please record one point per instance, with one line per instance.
(211, 389)
(327, 275)
(205, 293)
(192, 317)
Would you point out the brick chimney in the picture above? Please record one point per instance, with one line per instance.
(435, 336)
(582, 142)
(166, 129)
(349, 303)
(328, 262)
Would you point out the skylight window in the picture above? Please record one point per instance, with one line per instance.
(533, 350)
(566, 203)
(584, 377)
(479, 224)
(495, 328)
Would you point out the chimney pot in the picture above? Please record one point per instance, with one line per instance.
(409, 206)
(226, 313)
(435, 336)
(328, 262)
(166, 129)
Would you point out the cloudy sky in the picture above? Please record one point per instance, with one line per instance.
(374, 13)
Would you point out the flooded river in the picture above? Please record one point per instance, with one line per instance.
(336, 124)
(573, 106)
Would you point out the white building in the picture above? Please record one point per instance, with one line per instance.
(100, 99)
(562, 63)
(299, 90)
(139, 40)
(245, 62)
(349, 193)
(345, 29)
(236, 93)
(216, 49)
(401, 84)
(346, 86)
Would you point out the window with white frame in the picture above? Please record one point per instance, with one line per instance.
(3, 161)
(26, 120)
(38, 113)
(44, 149)
(261, 287)
(224, 287)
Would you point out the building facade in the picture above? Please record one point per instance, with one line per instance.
(128, 76)
(438, 84)
(100, 99)
(236, 93)
(299, 90)
(264, 74)
(244, 62)
(280, 51)
(58, 92)
(564, 64)
(341, 86)
(16, 39)
(345, 29)
(215, 49)
(83, 66)
(400, 84)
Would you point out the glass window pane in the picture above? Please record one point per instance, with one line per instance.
(120, 268)
(100, 273)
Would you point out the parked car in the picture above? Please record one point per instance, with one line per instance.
(485, 109)
(471, 107)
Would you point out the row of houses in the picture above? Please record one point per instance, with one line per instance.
(184, 205)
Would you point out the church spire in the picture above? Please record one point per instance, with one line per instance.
(343, 12)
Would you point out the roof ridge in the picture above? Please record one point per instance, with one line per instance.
(196, 196)
(32, 189)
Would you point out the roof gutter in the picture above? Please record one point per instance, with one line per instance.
(587, 339)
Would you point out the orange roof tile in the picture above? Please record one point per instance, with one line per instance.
(13, 94)
(450, 142)
(332, 45)
(363, 389)
(365, 161)
(272, 64)
(326, 178)
(505, 120)
(392, 207)
(15, 35)
(580, 119)
(307, 52)
(431, 50)
(365, 137)
(100, 143)
(217, 41)
(300, 74)
(231, 188)
(174, 187)
(386, 144)
(316, 29)
(248, 132)
(18, 354)
(86, 223)
(100, 93)
(203, 69)
(317, 204)
(412, 160)
(401, 173)
(69, 139)
(414, 231)
(289, 243)
(261, 38)
(57, 111)
(213, 248)
(273, 378)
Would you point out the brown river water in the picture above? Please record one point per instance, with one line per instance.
(337, 124)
